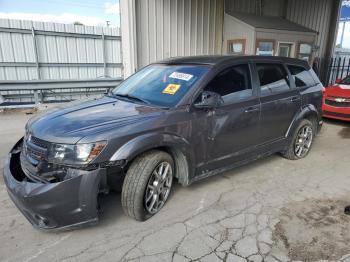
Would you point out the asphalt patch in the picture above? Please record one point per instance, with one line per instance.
(314, 230)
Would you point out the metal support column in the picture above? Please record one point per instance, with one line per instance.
(36, 97)
(104, 55)
(342, 35)
(35, 49)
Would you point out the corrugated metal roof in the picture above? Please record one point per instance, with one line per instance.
(270, 22)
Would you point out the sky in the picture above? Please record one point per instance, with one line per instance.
(87, 12)
(346, 37)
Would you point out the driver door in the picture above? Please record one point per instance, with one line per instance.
(233, 127)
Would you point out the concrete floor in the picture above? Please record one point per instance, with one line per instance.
(272, 209)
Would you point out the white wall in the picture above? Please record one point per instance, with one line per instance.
(236, 29)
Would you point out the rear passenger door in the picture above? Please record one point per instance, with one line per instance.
(280, 100)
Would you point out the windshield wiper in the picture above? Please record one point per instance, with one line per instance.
(131, 97)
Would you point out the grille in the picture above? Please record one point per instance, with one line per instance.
(35, 149)
(336, 114)
(39, 142)
(332, 101)
(337, 104)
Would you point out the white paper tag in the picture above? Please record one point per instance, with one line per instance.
(181, 76)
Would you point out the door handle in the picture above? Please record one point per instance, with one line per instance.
(294, 98)
(251, 109)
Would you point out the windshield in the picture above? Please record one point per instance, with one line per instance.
(161, 85)
(345, 81)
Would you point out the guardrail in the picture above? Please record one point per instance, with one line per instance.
(17, 94)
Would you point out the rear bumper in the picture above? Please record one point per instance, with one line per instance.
(342, 113)
(59, 205)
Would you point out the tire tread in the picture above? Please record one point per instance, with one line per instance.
(136, 180)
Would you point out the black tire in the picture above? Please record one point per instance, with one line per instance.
(137, 179)
(291, 153)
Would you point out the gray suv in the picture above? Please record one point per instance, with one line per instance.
(181, 119)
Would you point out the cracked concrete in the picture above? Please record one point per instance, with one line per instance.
(270, 210)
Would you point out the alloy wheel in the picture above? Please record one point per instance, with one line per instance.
(303, 141)
(158, 187)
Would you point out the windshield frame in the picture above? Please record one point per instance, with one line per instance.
(182, 101)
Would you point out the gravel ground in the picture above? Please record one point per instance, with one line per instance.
(270, 210)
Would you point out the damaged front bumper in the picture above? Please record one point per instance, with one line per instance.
(54, 205)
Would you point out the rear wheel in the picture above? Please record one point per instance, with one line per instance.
(301, 142)
(147, 184)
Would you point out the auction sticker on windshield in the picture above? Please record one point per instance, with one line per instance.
(181, 76)
(171, 89)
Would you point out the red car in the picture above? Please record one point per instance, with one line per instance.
(336, 100)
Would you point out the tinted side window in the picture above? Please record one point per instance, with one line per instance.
(302, 77)
(232, 84)
(273, 78)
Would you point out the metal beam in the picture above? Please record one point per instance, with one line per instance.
(51, 33)
(45, 91)
(34, 64)
(58, 84)
(35, 50)
(104, 55)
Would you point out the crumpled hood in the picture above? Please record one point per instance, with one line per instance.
(338, 90)
(75, 121)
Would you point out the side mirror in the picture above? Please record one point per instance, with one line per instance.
(338, 81)
(209, 100)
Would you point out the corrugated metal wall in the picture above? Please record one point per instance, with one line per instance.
(63, 51)
(257, 7)
(168, 28)
(243, 6)
(314, 14)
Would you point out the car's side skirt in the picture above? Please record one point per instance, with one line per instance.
(262, 151)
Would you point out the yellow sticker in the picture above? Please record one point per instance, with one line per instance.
(171, 89)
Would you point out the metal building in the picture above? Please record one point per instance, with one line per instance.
(43, 62)
(156, 29)
(31, 50)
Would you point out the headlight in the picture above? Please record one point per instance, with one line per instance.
(75, 154)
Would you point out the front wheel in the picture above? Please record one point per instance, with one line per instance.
(147, 184)
(301, 142)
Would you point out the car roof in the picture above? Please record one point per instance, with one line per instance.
(219, 59)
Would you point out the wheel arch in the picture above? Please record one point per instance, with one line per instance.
(177, 147)
(309, 112)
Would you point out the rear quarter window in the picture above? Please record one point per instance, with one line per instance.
(302, 77)
(273, 78)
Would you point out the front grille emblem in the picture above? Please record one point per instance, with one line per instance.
(340, 100)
